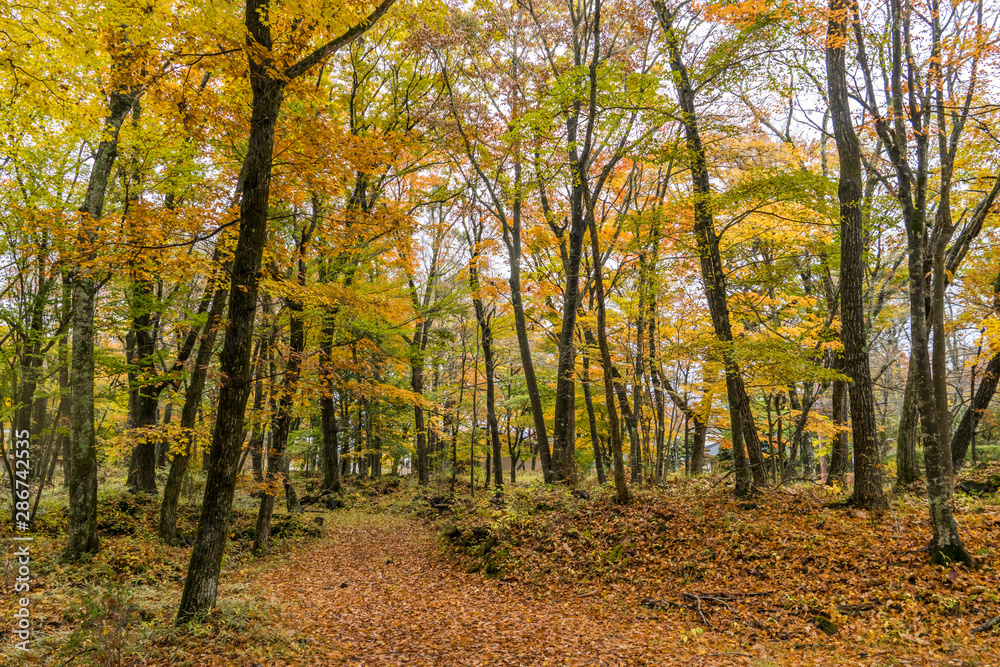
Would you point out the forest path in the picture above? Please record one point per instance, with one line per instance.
(376, 593)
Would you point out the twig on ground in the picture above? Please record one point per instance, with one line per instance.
(988, 625)
(721, 480)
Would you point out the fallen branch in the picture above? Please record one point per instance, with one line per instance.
(721, 480)
(798, 479)
(988, 625)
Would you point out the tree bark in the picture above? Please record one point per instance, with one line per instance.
(167, 529)
(82, 525)
(864, 430)
(970, 420)
(907, 470)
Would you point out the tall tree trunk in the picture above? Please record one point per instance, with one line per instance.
(864, 430)
(201, 584)
(82, 526)
(655, 380)
(741, 415)
(483, 318)
(622, 493)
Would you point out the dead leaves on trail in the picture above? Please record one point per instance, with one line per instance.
(404, 606)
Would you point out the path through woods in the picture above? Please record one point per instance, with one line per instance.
(403, 604)
(378, 592)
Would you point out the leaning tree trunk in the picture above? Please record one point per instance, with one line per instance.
(970, 420)
(864, 430)
(167, 530)
(82, 525)
(744, 427)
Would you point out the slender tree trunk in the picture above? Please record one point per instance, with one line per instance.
(864, 429)
(622, 493)
(629, 417)
(907, 470)
(167, 530)
(741, 415)
(838, 444)
(201, 584)
(82, 526)
(602, 477)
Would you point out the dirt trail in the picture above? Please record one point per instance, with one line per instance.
(374, 593)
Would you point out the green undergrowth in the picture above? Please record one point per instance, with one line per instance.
(117, 607)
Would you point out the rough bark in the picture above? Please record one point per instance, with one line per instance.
(201, 584)
(864, 430)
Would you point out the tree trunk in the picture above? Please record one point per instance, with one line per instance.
(864, 430)
(82, 525)
(741, 414)
(970, 420)
(907, 470)
(629, 417)
(622, 493)
(201, 584)
(698, 447)
(167, 530)
(602, 477)
(838, 444)
(142, 463)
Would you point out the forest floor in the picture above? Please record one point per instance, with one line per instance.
(683, 576)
